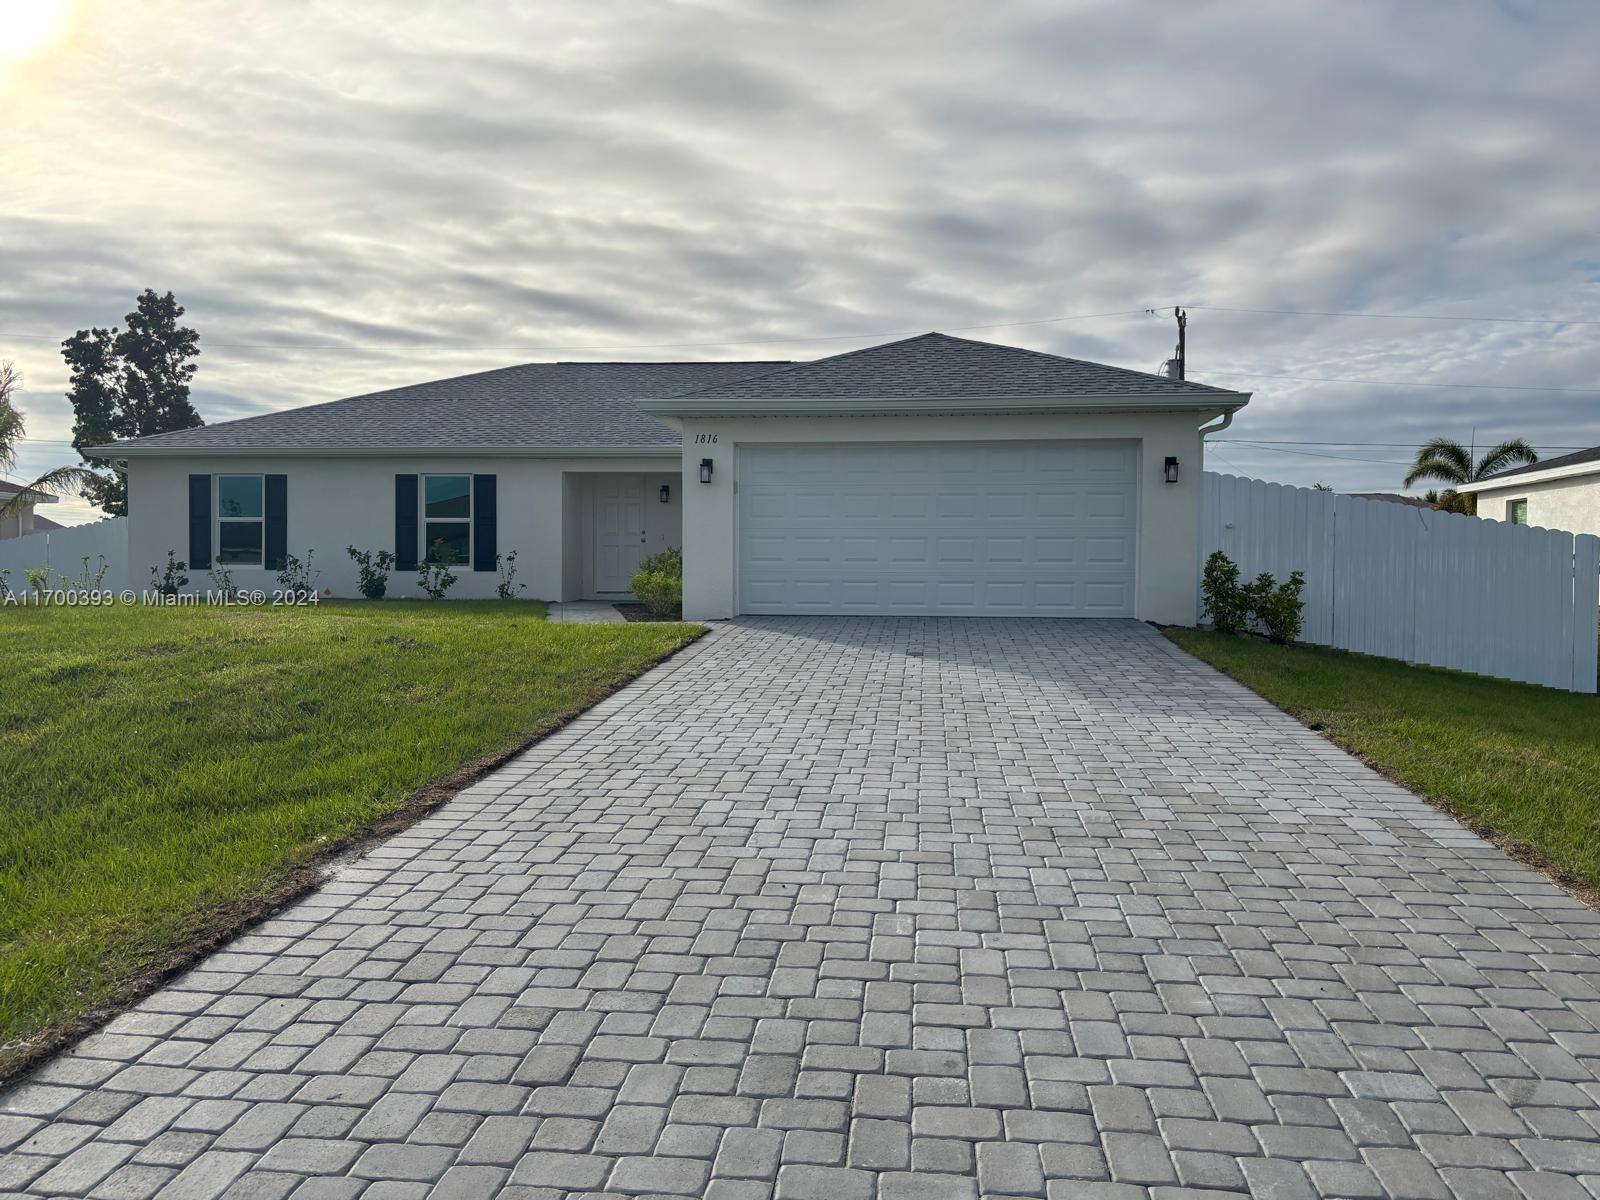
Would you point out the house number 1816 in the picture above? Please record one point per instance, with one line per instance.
(705, 439)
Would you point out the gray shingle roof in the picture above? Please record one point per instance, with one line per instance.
(530, 406)
(554, 406)
(1577, 457)
(938, 365)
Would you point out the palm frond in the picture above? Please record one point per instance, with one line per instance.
(1449, 450)
(1445, 470)
(1516, 452)
(51, 483)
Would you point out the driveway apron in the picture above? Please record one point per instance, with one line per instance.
(870, 909)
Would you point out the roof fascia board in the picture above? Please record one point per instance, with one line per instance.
(485, 451)
(931, 405)
(1554, 474)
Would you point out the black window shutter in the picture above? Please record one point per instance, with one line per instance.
(405, 522)
(277, 530)
(199, 522)
(484, 521)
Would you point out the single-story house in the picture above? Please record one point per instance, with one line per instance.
(931, 476)
(24, 520)
(1558, 493)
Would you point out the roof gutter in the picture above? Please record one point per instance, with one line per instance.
(1518, 478)
(157, 451)
(802, 406)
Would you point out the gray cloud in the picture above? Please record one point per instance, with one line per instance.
(394, 188)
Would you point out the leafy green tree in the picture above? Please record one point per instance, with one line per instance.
(130, 383)
(13, 425)
(1450, 462)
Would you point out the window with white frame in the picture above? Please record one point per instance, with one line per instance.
(447, 516)
(239, 519)
(1517, 511)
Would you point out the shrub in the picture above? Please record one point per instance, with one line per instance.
(298, 576)
(1226, 602)
(222, 579)
(1278, 605)
(372, 570)
(658, 583)
(436, 578)
(38, 578)
(91, 578)
(169, 581)
(507, 587)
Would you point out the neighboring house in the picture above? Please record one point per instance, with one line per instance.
(20, 524)
(930, 476)
(1557, 493)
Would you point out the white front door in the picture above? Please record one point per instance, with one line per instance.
(619, 530)
(972, 529)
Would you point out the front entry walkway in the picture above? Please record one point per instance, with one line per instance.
(853, 908)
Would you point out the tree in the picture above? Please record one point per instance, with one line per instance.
(130, 383)
(1450, 462)
(12, 427)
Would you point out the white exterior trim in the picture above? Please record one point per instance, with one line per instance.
(1513, 482)
(943, 405)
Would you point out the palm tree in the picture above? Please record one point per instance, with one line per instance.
(1450, 462)
(12, 426)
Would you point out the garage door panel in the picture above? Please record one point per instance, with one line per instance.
(964, 530)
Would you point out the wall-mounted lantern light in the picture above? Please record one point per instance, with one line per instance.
(705, 470)
(1170, 469)
(666, 493)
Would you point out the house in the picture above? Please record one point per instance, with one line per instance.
(930, 476)
(1392, 498)
(1557, 493)
(23, 522)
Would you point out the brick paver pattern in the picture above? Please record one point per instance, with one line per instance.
(871, 908)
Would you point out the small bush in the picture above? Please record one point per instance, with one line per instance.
(173, 578)
(507, 587)
(1278, 605)
(298, 576)
(38, 578)
(1226, 602)
(372, 570)
(222, 579)
(436, 578)
(658, 583)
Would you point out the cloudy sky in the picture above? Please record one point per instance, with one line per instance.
(352, 195)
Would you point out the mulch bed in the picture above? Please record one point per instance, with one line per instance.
(638, 612)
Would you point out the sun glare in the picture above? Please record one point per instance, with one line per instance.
(30, 27)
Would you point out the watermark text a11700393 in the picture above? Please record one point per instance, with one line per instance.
(110, 598)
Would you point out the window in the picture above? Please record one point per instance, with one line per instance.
(1517, 512)
(447, 516)
(239, 519)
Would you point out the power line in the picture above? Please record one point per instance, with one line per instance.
(765, 341)
(1388, 462)
(1487, 387)
(1296, 312)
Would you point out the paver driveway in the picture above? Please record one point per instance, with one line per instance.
(895, 908)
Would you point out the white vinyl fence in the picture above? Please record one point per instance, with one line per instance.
(62, 550)
(1419, 585)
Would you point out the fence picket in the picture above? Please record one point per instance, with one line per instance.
(1416, 584)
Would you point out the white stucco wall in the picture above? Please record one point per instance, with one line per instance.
(1167, 580)
(337, 502)
(1572, 504)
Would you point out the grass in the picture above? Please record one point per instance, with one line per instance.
(167, 770)
(1518, 763)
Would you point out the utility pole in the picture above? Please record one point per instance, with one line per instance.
(1183, 324)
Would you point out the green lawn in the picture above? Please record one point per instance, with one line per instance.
(1514, 761)
(166, 769)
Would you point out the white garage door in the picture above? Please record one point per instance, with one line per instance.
(974, 529)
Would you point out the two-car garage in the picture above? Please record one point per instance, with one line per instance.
(1044, 528)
